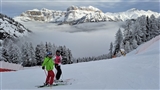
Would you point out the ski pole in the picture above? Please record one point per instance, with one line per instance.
(62, 73)
(45, 72)
(62, 76)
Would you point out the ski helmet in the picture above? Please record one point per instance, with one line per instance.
(49, 53)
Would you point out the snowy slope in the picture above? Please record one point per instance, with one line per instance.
(10, 28)
(134, 71)
(75, 15)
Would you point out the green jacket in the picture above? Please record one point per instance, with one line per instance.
(48, 63)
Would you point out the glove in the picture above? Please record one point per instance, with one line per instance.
(43, 67)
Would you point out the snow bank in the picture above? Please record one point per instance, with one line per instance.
(146, 45)
(5, 66)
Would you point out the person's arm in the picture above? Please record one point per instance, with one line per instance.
(44, 63)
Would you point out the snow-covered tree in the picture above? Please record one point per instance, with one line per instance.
(48, 47)
(5, 46)
(148, 36)
(25, 54)
(70, 57)
(32, 55)
(111, 50)
(1, 57)
(43, 50)
(5, 54)
(54, 48)
(142, 22)
(61, 49)
(127, 28)
(154, 31)
(37, 55)
(63, 54)
(14, 54)
(118, 41)
(134, 44)
(40, 53)
(137, 33)
(158, 23)
(66, 55)
(127, 47)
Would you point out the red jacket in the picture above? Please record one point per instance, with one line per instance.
(57, 59)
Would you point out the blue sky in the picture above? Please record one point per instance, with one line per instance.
(16, 7)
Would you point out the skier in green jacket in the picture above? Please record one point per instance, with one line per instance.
(48, 63)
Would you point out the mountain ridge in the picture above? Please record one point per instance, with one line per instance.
(11, 29)
(75, 15)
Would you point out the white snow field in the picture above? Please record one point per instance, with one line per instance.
(134, 71)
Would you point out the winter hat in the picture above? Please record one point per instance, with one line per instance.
(58, 51)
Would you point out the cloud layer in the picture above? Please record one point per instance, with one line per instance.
(92, 39)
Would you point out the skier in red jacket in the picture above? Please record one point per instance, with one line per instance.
(57, 61)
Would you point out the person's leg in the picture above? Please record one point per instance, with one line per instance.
(47, 79)
(51, 77)
(59, 72)
(56, 66)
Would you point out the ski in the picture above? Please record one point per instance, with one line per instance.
(41, 86)
(58, 83)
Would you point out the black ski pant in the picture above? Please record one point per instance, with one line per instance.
(59, 71)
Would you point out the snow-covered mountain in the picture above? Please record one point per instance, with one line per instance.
(75, 15)
(9, 28)
(44, 14)
(131, 14)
